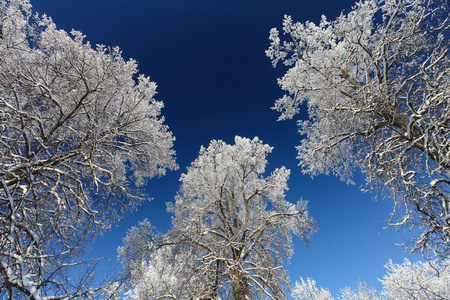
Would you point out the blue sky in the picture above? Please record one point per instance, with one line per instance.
(207, 57)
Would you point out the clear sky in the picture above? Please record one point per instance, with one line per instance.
(207, 57)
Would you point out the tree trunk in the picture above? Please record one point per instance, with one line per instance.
(240, 286)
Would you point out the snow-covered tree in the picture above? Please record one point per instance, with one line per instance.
(160, 268)
(375, 83)
(363, 292)
(231, 223)
(420, 281)
(75, 123)
(308, 290)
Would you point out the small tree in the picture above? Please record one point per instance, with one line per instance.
(160, 268)
(421, 281)
(75, 122)
(232, 223)
(376, 86)
(308, 290)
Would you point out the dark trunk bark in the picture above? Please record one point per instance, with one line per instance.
(240, 286)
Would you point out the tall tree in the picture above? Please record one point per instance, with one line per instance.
(75, 123)
(231, 222)
(375, 83)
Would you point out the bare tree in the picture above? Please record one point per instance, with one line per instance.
(375, 83)
(75, 124)
(232, 225)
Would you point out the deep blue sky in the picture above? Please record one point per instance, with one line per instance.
(207, 57)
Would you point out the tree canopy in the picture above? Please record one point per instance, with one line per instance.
(81, 133)
(375, 84)
(76, 124)
(231, 231)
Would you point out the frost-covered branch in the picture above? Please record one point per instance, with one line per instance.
(75, 122)
(232, 228)
(375, 82)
